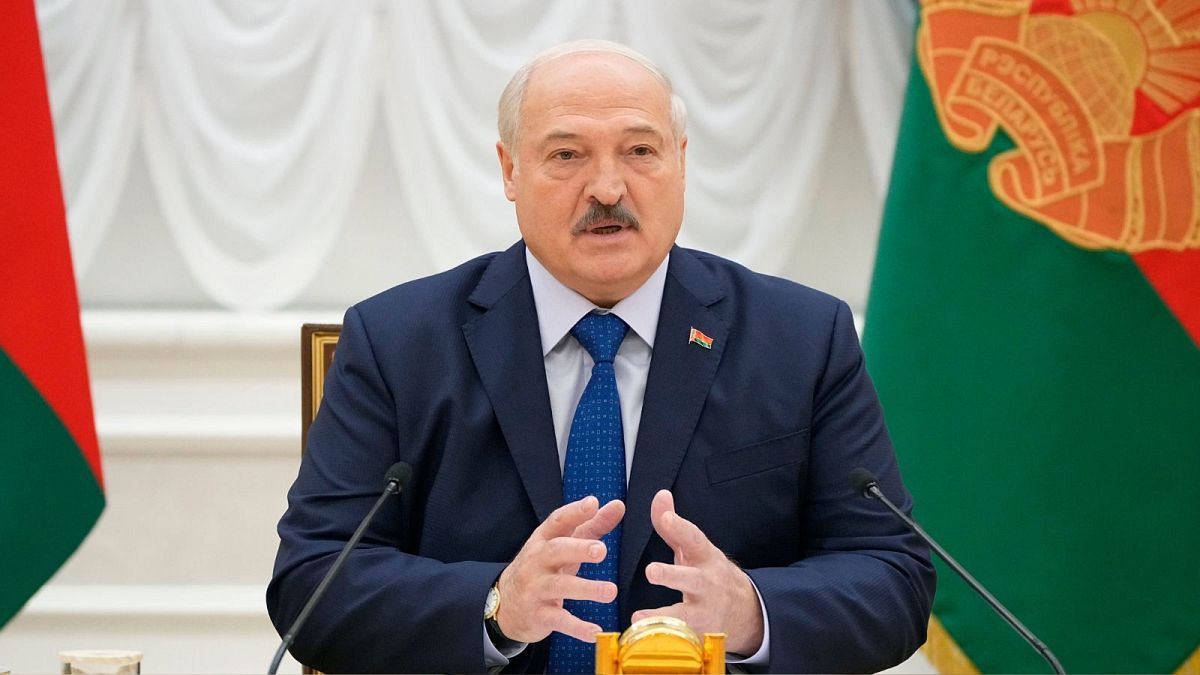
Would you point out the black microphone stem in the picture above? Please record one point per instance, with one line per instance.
(393, 486)
(872, 490)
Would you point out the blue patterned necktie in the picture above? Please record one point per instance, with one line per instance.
(595, 465)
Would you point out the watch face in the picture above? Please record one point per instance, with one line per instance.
(491, 604)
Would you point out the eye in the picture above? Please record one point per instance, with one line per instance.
(564, 155)
(643, 151)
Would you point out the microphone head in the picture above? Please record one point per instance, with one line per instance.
(399, 473)
(862, 480)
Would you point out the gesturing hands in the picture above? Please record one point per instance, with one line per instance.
(717, 595)
(534, 585)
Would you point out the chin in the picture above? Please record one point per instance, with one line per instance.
(609, 282)
(610, 272)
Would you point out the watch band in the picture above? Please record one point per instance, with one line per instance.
(491, 610)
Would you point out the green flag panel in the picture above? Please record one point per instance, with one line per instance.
(49, 498)
(1045, 405)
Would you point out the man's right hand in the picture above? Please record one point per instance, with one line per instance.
(534, 585)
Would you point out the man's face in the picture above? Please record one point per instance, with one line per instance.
(596, 132)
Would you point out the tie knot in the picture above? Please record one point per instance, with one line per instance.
(600, 335)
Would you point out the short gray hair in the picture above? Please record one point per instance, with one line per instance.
(509, 109)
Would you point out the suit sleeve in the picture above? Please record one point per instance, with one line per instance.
(859, 599)
(388, 611)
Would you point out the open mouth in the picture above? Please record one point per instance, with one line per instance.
(605, 220)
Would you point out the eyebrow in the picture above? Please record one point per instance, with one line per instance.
(563, 135)
(643, 129)
(559, 135)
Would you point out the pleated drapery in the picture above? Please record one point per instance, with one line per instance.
(255, 119)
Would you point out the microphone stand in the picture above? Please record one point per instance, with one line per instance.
(393, 486)
(871, 491)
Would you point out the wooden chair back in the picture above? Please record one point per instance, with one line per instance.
(318, 341)
(317, 344)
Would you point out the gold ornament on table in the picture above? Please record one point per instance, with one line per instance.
(660, 644)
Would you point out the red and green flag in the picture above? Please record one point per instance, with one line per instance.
(1034, 326)
(51, 486)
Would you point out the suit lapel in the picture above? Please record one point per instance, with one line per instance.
(506, 347)
(680, 376)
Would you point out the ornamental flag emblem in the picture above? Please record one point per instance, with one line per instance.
(1099, 98)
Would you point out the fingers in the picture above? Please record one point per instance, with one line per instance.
(680, 534)
(535, 584)
(603, 522)
(563, 521)
(687, 580)
(663, 501)
(675, 610)
(563, 552)
(568, 624)
(567, 587)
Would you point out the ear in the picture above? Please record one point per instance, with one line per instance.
(683, 160)
(507, 167)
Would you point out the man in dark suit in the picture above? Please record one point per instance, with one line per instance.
(736, 405)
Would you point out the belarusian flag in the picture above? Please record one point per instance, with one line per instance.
(51, 487)
(698, 337)
(1034, 325)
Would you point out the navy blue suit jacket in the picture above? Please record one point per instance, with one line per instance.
(755, 437)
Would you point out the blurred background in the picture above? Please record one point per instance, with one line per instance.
(234, 169)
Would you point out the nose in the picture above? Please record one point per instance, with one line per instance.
(607, 183)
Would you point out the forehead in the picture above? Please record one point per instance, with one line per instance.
(594, 87)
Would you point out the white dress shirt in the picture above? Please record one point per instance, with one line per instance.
(569, 367)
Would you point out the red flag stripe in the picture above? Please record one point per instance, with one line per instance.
(39, 309)
(1175, 275)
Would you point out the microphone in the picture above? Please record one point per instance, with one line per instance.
(397, 477)
(864, 483)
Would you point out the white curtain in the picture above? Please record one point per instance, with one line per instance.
(255, 118)
(878, 46)
(762, 80)
(89, 50)
(446, 65)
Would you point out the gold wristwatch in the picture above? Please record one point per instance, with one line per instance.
(491, 607)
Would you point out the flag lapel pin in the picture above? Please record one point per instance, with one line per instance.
(697, 337)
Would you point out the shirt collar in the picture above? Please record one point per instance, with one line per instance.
(559, 308)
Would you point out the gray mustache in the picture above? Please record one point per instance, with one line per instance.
(598, 213)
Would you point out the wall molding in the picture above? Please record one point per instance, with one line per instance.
(142, 600)
(209, 435)
(197, 383)
(118, 330)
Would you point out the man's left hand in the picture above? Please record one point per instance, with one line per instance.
(718, 597)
